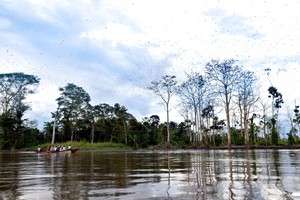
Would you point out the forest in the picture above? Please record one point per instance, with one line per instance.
(220, 107)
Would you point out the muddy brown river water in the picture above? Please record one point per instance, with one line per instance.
(180, 174)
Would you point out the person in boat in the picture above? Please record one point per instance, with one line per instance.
(69, 147)
(39, 149)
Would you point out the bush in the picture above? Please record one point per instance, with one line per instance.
(291, 140)
(237, 138)
(274, 133)
(263, 141)
(218, 139)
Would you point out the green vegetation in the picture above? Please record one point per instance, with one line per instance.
(223, 88)
(84, 145)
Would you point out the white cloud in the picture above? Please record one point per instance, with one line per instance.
(114, 48)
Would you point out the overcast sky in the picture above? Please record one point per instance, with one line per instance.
(114, 49)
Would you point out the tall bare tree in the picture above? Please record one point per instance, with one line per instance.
(165, 89)
(264, 108)
(224, 77)
(247, 96)
(192, 92)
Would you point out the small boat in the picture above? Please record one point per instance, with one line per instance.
(73, 150)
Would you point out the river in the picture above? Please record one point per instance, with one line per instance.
(180, 174)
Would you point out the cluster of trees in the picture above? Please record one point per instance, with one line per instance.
(224, 99)
(76, 119)
(228, 89)
(16, 132)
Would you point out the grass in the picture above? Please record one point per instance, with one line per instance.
(86, 145)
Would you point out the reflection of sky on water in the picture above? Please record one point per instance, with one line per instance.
(261, 174)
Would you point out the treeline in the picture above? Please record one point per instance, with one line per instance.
(233, 92)
(76, 119)
(221, 106)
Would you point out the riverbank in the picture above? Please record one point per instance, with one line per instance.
(116, 146)
(81, 145)
(191, 147)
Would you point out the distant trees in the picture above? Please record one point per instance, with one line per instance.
(152, 126)
(165, 89)
(296, 120)
(77, 119)
(93, 115)
(72, 105)
(208, 114)
(14, 88)
(104, 122)
(248, 95)
(223, 94)
(224, 77)
(295, 123)
(192, 94)
(277, 101)
(264, 108)
(293, 117)
(225, 87)
(123, 117)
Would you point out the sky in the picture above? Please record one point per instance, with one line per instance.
(115, 48)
